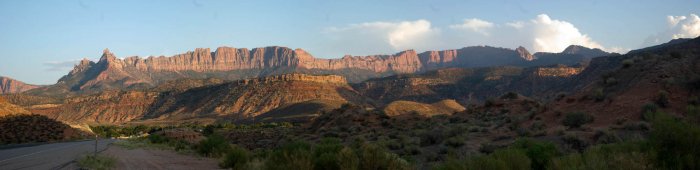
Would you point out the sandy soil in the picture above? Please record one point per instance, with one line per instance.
(146, 158)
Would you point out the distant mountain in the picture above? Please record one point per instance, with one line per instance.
(581, 51)
(227, 63)
(584, 51)
(9, 85)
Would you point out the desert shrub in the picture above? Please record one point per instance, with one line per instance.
(374, 157)
(326, 153)
(539, 152)
(598, 95)
(502, 159)
(510, 95)
(431, 137)
(236, 158)
(98, 162)
(627, 63)
(662, 99)
(214, 146)
(610, 81)
(649, 107)
(606, 137)
(154, 138)
(347, 159)
(576, 119)
(674, 143)
(574, 142)
(293, 155)
(625, 155)
(455, 141)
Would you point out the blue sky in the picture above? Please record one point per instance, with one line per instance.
(41, 40)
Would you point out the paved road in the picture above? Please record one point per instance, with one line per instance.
(48, 156)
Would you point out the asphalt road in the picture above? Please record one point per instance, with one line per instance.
(48, 156)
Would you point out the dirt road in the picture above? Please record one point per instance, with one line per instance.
(149, 158)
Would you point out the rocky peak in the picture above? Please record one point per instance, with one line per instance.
(107, 56)
(524, 53)
(584, 51)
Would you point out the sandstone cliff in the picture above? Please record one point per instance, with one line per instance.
(228, 63)
(8, 85)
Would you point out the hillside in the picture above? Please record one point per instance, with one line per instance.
(10, 109)
(237, 100)
(620, 87)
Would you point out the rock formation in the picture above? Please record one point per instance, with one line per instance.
(228, 63)
(8, 85)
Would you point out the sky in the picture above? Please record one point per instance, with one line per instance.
(40, 41)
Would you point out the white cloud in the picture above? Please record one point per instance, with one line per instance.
(475, 25)
(371, 37)
(678, 27)
(555, 35)
(541, 34)
(683, 27)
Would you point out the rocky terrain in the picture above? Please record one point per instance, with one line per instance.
(8, 85)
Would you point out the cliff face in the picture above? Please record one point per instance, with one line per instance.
(229, 63)
(8, 85)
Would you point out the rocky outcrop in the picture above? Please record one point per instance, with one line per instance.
(559, 71)
(8, 85)
(524, 53)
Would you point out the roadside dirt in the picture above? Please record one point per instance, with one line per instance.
(147, 158)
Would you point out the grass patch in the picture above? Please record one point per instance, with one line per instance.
(96, 162)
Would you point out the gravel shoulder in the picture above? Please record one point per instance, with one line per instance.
(152, 158)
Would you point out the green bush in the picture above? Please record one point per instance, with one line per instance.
(154, 138)
(503, 159)
(236, 158)
(294, 155)
(599, 94)
(675, 143)
(662, 99)
(576, 119)
(539, 152)
(213, 146)
(627, 63)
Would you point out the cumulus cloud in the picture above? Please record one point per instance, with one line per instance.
(678, 27)
(685, 27)
(540, 34)
(476, 25)
(377, 37)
